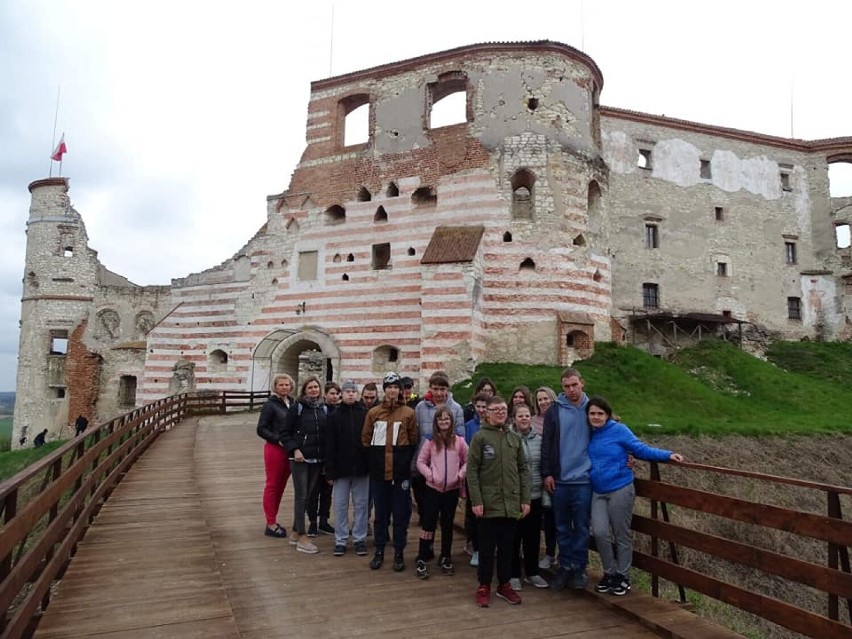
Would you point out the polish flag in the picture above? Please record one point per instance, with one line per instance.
(60, 150)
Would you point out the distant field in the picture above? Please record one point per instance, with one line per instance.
(5, 427)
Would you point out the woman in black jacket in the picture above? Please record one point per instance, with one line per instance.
(270, 426)
(304, 438)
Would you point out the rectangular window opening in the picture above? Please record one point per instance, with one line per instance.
(719, 213)
(381, 256)
(722, 269)
(643, 161)
(790, 252)
(652, 236)
(58, 342)
(650, 295)
(794, 308)
(706, 170)
(127, 390)
(784, 174)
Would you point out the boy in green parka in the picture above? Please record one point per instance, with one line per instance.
(499, 483)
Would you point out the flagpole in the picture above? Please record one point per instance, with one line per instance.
(53, 142)
(331, 43)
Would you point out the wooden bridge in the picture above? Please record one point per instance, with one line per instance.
(102, 540)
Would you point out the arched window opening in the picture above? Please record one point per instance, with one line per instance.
(411, 251)
(448, 99)
(270, 264)
(350, 258)
(217, 361)
(364, 194)
(336, 259)
(527, 265)
(345, 277)
(598, 276)
(355, 117)
(393, 190)
(507, 237)
(594, 199)
(532, 104)
(381, 215)
(523, 194)
(274, 281)
(335, 214)
(579, 240)
(284, 263)
(293, 225)
(424, 196)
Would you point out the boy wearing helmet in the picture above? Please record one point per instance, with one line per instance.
(390, 432)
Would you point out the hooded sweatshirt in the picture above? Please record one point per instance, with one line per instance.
(565, 442)
(608, 450)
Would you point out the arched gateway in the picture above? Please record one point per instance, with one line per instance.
(299, 353)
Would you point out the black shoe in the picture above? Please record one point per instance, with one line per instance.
(605, 584)
(620, 586)
(275, 531)
(398, 561)
(446, 565)
(560, 580)
(339, 550)
(361, 548)
(312, 529)
(377, 560)
(326, 528)
(421, 570)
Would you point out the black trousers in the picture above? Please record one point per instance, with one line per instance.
(528, 540)
(496, 533)
(391, 500)
(319, 501)
(471, 523)
(437, 504)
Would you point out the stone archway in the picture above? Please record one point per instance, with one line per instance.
(306, 352)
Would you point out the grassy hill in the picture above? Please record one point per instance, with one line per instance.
(712, 389)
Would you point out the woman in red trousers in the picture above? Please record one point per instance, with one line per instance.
(270, 425)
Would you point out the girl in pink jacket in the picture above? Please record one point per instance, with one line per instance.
(443, 462)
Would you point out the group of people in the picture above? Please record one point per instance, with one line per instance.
(542, 461)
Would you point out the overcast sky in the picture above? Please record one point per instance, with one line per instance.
(181, 117)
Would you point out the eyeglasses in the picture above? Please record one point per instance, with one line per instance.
(502, 409)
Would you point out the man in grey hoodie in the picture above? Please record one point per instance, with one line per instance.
(565, 467)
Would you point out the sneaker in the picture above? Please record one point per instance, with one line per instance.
(561, 579)
(605, 584)
(307, 547)
(468, 548)
(579, 580)
(421, 570)
(398, 561)
(312, 530)
(483, 596)
(474, 560)
(293, 538)
(326, 528)
(446, 565)
(515, 583)
(377, 560)
(620, 586)
(537, 581)
(275, 531)
(339, 550)
(504, 591)
(546, 562)
(361, 548)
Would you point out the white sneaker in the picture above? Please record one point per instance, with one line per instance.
(515, 584)
(546, 562)
(474, 559)
(308, 547)
(468, 548)
(537, 581)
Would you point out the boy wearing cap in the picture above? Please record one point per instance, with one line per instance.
(390, 436)
(346, 470)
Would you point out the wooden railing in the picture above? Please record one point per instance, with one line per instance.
(744, 519)
(48, 506)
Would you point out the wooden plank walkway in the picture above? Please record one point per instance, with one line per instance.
(178, 551)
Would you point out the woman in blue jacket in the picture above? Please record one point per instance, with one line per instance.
(613, 493)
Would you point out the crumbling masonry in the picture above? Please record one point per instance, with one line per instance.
(535, 225)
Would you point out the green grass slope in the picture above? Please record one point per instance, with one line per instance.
(712, 389)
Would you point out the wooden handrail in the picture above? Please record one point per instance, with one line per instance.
(834, 580)
(48, 506)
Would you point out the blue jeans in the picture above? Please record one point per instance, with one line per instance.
(572, 509)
